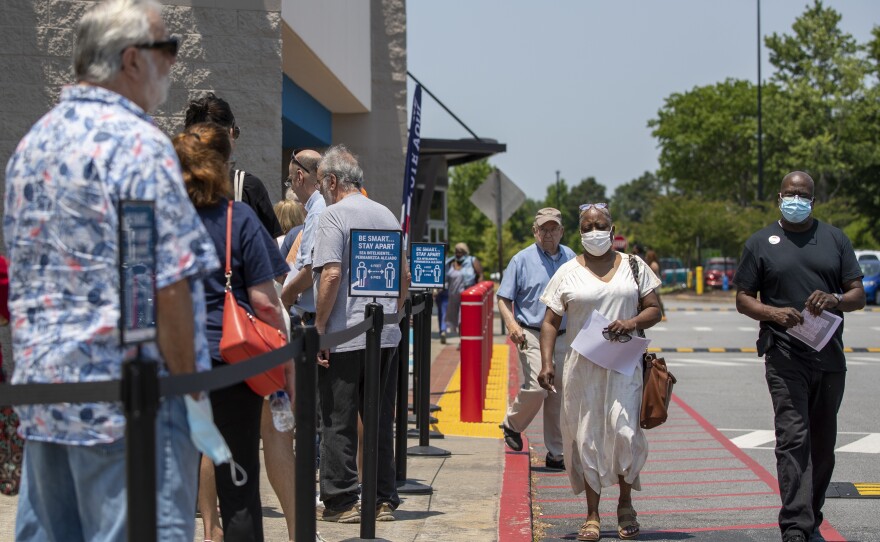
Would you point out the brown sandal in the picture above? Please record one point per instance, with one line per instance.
(626, 520)
(589, 531)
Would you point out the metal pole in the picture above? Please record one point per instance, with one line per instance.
(140, 399)
(372, 404)
(760, 126)
(405, 486)
(422, 395)
(558, 193)
(498, 219)
(306, 413)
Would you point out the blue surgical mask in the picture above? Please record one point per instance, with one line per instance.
(795, 209)
(207, 438)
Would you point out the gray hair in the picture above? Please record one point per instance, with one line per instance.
(105, 31)
(339, 161)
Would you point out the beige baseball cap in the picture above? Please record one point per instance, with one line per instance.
(546, 215)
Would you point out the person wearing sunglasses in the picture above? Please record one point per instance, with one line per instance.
(96, 147)
(603, 443)
(246, 187)
(803, 268)
(524, 281)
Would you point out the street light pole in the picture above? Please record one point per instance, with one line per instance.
(760, 127)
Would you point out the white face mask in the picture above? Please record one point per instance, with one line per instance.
(596, 242)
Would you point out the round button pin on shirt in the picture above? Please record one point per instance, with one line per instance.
(773, 239)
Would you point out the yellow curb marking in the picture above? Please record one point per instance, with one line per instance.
(449, 417)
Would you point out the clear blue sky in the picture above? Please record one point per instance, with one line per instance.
(569, 85)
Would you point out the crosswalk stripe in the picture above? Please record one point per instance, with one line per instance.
(754, 439)
(865, 445)
(702, 328)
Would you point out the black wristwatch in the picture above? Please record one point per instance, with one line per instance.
(839, 298)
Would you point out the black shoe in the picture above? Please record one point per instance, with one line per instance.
(512, 438)
(816, 536)
(794, 536)
(554, 464)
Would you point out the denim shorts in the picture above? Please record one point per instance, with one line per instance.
(77, 493)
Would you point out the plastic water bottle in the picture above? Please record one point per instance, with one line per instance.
(282, 416)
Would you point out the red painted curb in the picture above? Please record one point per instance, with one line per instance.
(515, 513)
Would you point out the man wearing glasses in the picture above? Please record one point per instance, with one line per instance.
(96, 147)
(303, 179)
(803, 269)
(524, 281)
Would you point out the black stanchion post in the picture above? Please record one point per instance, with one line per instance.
(140, 399)
(421, 357)
(372, 404)
(403, 485)
(423, 395)
(306, 413)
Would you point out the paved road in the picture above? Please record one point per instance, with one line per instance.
(729, 391)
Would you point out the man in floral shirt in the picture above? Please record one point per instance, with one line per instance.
(96, 147)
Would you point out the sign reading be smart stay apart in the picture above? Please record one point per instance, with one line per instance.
(375, 263)
(426, 265)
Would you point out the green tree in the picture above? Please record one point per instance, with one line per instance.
(708, 145)
(632, 201)
(821, 73)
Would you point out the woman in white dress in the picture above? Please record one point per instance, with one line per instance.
(602, 441)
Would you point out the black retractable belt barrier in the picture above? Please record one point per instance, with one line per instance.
(140, 398)
(306, 413)
(372, 406)
(404, 486)
(423, 399)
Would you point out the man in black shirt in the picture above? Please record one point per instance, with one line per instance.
(801, 267)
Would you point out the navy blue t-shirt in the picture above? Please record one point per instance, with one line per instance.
(255, 259)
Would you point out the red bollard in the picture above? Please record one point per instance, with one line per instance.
(473, 348)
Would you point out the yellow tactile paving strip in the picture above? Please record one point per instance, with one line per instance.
(449, 417)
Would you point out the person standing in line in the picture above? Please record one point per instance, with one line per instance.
(303, 178)
(462, 272)
(246, 187)
(603, 442)
(341, 376)
(97, 147)
(802, 268)
(203, 150)
(524, 281)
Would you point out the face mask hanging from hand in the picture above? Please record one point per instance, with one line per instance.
(207, 438)
(596, 242)
(795, 209)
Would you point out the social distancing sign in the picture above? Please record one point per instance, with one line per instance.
(426, 265)
(375, 263)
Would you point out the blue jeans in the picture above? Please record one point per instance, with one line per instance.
(77, 493)
(442, 301)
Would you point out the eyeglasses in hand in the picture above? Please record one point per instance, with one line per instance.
(612, 336)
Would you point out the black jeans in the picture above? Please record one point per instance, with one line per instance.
(341, 388)
(805, 405)
(237, 412)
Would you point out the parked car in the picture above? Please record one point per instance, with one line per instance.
(863, 255)
(673, 272)
(716, 269)
(871, 280)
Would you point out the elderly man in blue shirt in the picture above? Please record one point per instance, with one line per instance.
(524, 281)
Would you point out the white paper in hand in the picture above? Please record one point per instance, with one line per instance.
(614, 355)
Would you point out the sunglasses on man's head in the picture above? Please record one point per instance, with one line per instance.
(293, 159)
(169, 46)
(587, 206)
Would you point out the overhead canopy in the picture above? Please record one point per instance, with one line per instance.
(460, 151)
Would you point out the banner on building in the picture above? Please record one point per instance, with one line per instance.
(412, 163)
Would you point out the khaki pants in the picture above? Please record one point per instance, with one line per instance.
(532, 397)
